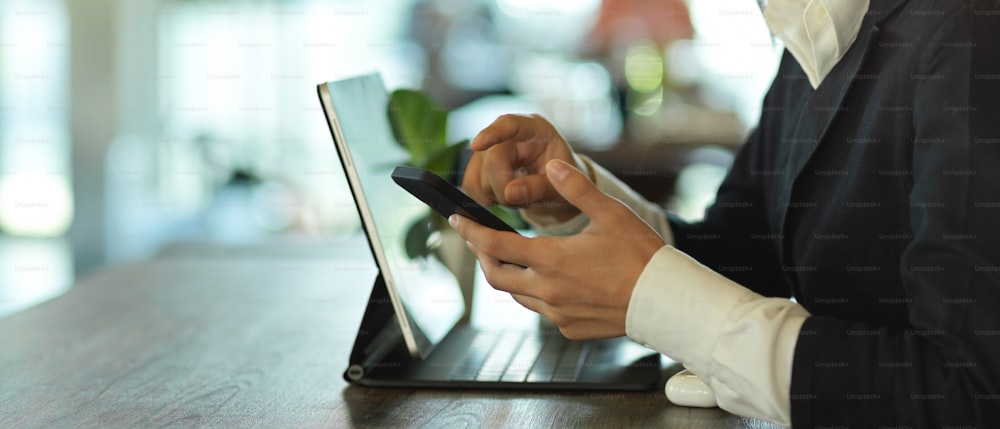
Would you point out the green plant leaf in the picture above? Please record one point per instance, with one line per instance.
(443, 161)
(419, 124)
(417, 237)
(510, 217)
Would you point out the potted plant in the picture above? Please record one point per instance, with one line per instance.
(420, 126)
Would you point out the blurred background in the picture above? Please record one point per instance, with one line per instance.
(133, 129)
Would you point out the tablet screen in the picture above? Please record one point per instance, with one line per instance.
(425, 294)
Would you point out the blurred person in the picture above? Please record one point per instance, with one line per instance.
(869, 192)
(628, 21)
(624, 25)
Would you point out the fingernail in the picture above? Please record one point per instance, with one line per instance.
(453, 221)
(518, 193)
(558, 170)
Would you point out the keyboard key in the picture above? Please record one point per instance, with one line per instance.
(570, 362)
(474, 358)
(501, 355)
(522, 362)
(518, 357)
(548, 359)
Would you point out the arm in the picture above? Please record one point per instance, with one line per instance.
(733, 239)
(616, 277)
(945, 371)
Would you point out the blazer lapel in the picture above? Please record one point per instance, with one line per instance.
(826, 101)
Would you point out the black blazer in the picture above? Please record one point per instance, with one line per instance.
(875, 202)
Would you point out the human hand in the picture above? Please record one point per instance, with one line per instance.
(584, 282)
(516, 144)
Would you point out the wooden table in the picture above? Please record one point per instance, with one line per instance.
(253, 341)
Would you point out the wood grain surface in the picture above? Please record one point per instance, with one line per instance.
(253, 341)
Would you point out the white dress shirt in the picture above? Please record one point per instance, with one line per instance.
(740, 343)
(817, 32)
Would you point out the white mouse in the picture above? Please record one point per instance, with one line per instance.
(686, 389)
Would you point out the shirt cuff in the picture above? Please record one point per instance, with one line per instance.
(740, 343)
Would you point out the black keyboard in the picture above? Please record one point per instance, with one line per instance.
(519, 357)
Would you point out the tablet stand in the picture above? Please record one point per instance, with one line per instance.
(378, 335)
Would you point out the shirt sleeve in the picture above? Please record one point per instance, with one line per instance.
(648, 211)
(740, 343)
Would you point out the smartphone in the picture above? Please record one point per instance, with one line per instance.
(445, 198)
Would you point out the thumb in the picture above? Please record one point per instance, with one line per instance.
(579, 191)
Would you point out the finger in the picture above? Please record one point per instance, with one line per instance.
(578, 190)
(473, 184)
(505, 128)
(503, 277)
(501, 245)
(498, 171)
(529, 189)
(531, 303)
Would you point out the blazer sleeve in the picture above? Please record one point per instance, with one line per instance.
(734, 239)
(945, 370)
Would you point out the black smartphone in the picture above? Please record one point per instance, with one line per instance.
(445, 198)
